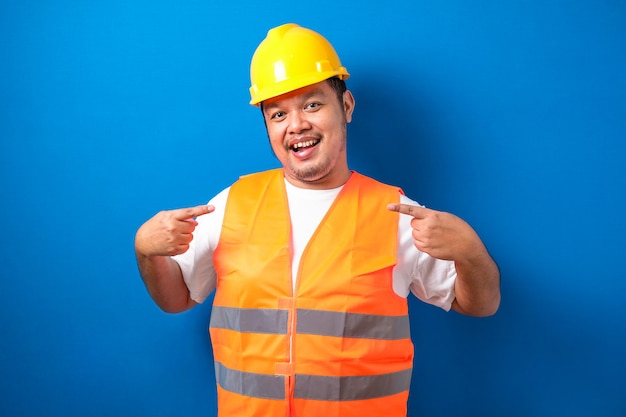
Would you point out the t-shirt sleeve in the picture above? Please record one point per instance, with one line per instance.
(197, 263)
(429, 279)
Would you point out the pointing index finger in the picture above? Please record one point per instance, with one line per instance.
(414, 211)
(192, 212)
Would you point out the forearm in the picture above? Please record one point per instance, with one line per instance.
(477, 286)
(164, 281)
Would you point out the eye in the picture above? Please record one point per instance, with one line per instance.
(314, 105)
(277, 115)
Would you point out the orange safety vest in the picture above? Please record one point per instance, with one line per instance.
(340, 345)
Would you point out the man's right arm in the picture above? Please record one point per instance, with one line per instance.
(166, 234)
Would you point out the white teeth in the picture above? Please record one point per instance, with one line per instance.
(306, 144)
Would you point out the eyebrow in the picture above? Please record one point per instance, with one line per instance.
(305, 97)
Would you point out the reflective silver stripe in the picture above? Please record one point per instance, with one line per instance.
(250, 384)
(365, 326)
(324, 388)
(350, 388)
(253, 320)
(325, 323)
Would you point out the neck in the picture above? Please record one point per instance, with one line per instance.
(327, 182)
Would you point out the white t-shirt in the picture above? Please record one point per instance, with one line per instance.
(431, 280)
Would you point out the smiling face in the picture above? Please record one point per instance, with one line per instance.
(307, 132)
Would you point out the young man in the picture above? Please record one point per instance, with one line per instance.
(312, 262)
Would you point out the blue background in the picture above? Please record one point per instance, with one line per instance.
(511, 115)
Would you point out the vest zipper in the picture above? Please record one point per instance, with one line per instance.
(291, 379)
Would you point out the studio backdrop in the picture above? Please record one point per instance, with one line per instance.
(511, 115)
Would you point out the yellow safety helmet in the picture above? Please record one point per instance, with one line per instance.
(291, 57)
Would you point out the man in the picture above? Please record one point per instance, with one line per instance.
(312, 263)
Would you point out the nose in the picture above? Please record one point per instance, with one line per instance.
(298, 122)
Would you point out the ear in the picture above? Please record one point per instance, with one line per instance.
(348, 105)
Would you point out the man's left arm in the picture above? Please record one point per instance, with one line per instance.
(445, 236)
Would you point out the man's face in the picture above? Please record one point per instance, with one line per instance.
(307, 132)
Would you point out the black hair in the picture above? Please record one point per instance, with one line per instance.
(339, 86)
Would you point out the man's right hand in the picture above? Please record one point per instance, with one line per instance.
(169, 232)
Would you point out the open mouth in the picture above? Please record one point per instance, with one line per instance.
(300, 146)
